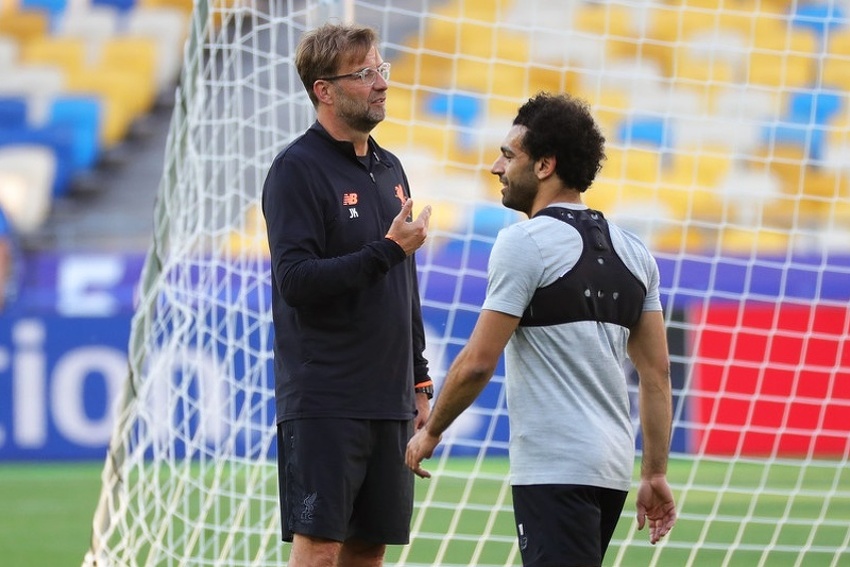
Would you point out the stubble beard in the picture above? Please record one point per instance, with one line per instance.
(362, 119)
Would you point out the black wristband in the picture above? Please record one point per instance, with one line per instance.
(427, 390)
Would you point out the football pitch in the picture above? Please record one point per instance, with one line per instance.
(766, 515)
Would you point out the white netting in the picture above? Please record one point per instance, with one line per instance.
(727, 151)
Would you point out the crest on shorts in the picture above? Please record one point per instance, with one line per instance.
(308, 507)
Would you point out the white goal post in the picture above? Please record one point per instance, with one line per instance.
(727, 124)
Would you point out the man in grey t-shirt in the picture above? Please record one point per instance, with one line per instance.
(570, 297)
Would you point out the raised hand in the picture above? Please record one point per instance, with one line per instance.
(410, 235)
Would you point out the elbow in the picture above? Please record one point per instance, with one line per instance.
(479, 372)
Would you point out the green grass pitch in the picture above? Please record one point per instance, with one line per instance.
(793, 516)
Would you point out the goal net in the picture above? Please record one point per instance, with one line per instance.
(727, 125)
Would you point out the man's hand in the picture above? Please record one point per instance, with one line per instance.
(654, 502)
(410, 235)
(421, 446)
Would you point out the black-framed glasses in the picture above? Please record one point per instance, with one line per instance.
(367, 75)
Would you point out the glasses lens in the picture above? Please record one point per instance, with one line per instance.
(384, 70)
(368, 76)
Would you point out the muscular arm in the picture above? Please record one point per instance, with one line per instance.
(648, 352)
(469, 374)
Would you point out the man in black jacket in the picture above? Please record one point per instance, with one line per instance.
(351, 378)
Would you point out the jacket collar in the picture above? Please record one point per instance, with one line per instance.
(347, 148)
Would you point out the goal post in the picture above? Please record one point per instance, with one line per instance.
(727, 143)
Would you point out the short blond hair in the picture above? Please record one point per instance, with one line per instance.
(323, 51)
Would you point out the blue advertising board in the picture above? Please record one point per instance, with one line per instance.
(63, 342)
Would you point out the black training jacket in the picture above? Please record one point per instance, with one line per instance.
(349, 338)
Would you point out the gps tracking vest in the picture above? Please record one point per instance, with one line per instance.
(609, 292)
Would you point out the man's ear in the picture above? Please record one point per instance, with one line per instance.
(545, 167)
(322, 91)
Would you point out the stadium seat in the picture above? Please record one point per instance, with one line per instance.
(784, 57)
(646, 130)
(83, 116)
(58, 139)
(822, 18)
(614, 23)
(95, 24)
(13, 112)
(836, 63)
(701, 167)
(37, 83)
(68, 53)
(9, 52)
(805, 122)
(139, 56)
(26, 181)
(169, 28)
(184, 6)
(119, 93)
(122, 5)
(52, 7)
(24, 25)
(690, 68)
(631, 164)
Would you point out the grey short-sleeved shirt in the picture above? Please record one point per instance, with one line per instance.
(566, 386)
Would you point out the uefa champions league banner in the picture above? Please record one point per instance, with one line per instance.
(64, 346)
(64, 342)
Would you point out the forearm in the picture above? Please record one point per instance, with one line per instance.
(462, 386)
(312, 280)
(656, 419)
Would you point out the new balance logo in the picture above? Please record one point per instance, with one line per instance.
(349, 199)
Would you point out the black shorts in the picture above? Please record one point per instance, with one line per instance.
(344, 478)
(565, 525)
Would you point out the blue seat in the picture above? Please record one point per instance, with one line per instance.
(816, 107)
(82, 115)
(60, 139)
(463, 109)
(821, 18)
(13, 112)
(54, 8)
(645, 130)
(805, 123)
(122, 5)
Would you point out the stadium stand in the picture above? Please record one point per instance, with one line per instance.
(78, 81)
(775, 86)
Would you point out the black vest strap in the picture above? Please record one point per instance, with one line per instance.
(599, 287)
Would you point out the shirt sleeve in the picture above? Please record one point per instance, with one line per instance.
(514, 272)
(295, 220)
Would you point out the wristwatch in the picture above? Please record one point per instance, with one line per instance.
(427, 388)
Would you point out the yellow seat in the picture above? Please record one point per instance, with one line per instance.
(668, 27)
(783, 57)
(635, 165)
(25, 25)
(118, 91)
(9, 6)
(185, 6)
(69, 54)
(138, 56)
(491, 77)
(691, 69)
(836, 66)
(703, 168)
(614, 23)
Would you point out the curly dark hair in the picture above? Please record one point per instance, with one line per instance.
(562, 126)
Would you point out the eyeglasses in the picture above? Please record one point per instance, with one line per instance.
(367, 76)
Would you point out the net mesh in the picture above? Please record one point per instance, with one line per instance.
(727, 127)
